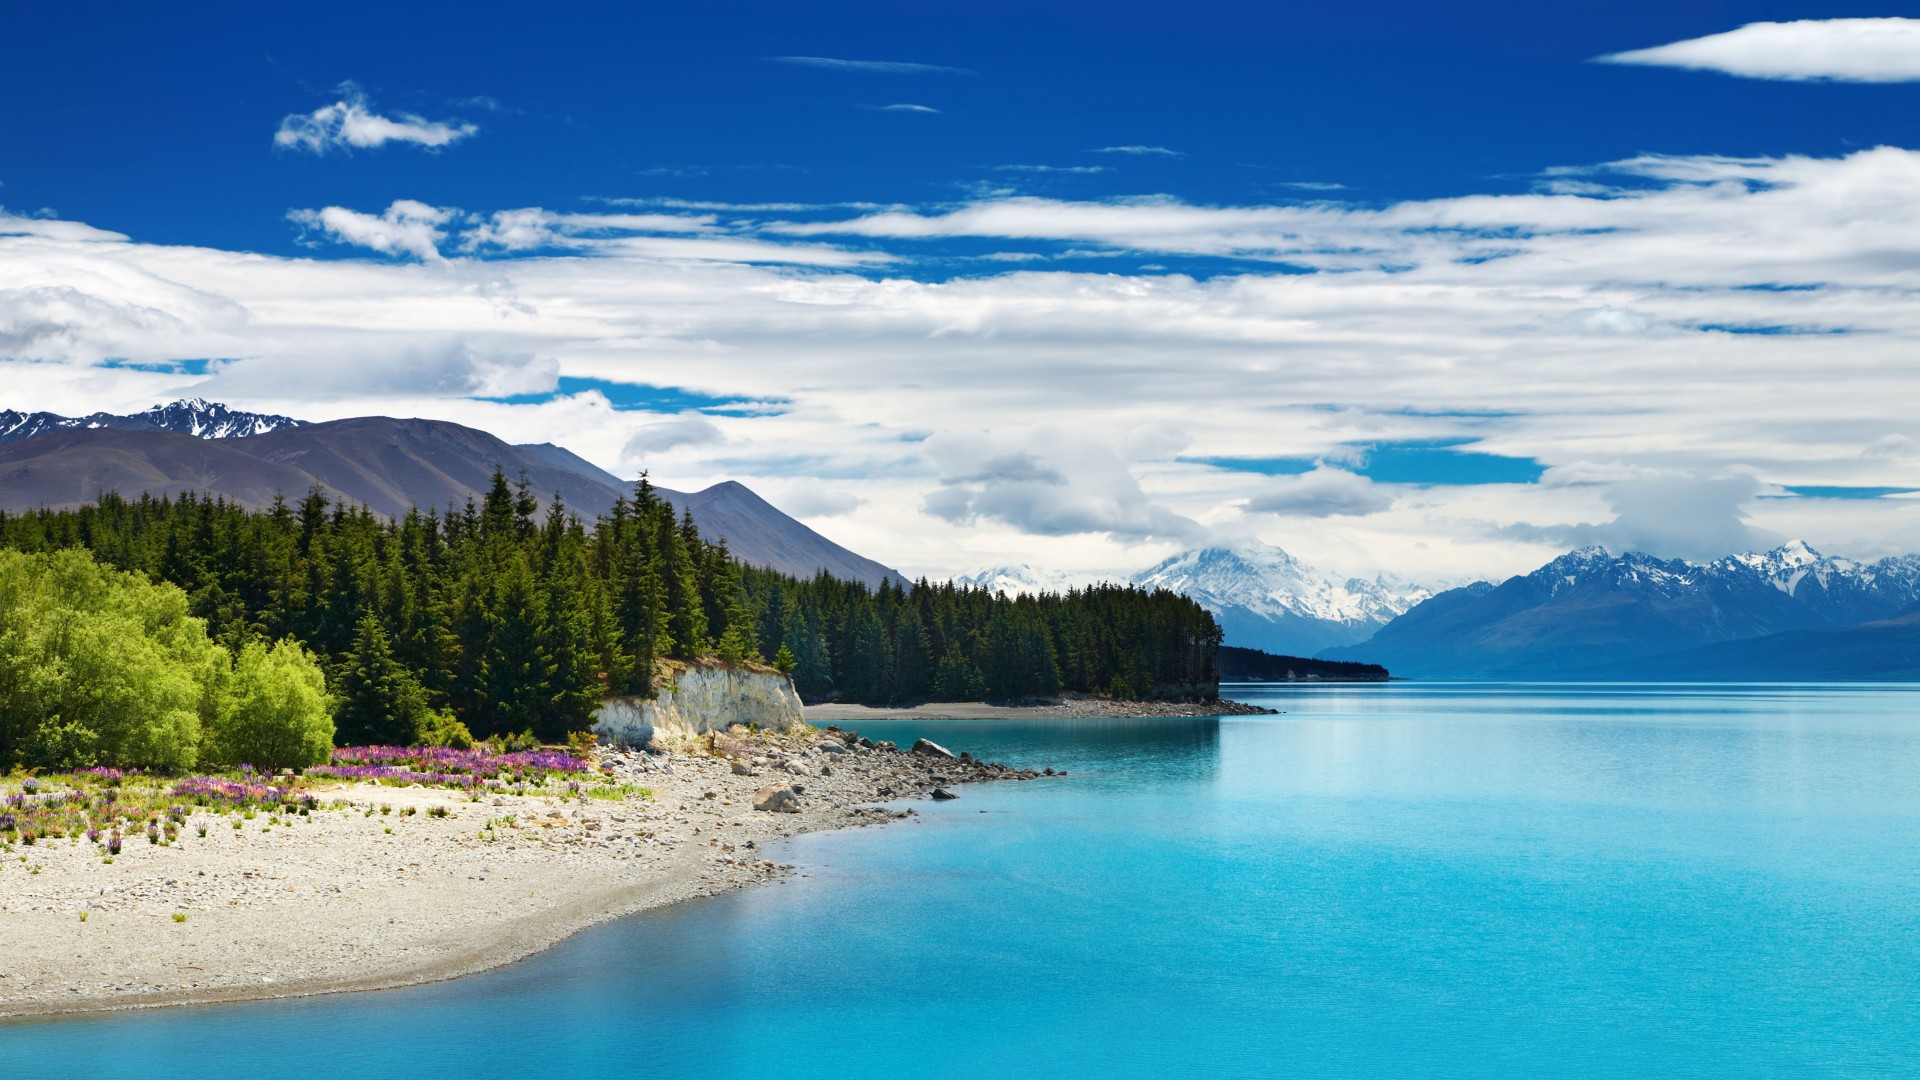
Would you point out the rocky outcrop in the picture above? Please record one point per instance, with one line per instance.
(701, 699)
(777, 799)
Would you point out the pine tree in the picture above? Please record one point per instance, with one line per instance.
(378, 702)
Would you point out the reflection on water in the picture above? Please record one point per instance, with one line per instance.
(1386, 881)
(1181, 748)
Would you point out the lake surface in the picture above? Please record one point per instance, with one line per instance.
(1388, 881)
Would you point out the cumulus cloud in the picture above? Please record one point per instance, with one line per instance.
(1559, 326)
(1054, 487)
(1835, 50)
(1672, 517)
(351, 124)
(658, 438)
(1322, 492)
(404, 228)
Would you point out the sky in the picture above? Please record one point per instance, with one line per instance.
(1432, 291)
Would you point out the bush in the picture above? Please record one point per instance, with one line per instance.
(442, 728)
(278, 714)
(100, 667)
(103, 667)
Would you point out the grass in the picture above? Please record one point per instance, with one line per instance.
(617, 792)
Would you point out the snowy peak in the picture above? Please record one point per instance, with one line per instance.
(197, 417)
(1014, 580)
(204, 419)
(1267, 581)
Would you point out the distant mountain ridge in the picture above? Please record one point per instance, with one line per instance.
(388, 465)
(197, 417)
(1262, 597)
(1590, 613)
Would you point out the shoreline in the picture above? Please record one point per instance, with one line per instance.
(1067, 707)
(355, 899)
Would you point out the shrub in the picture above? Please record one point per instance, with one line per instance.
(278, 715)
(442, 728)
(100, 666)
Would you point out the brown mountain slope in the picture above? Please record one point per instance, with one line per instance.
(390, 466)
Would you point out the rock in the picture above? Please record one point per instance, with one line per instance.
(741, 768)
(885, 746)
(941, 794)
(866, 743)
(777, 799)
(799, 768)
(831, 746)
(932, 749)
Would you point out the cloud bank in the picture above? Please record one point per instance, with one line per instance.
(1835, 50)
(1671, 319)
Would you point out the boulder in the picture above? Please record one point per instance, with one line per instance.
(777, 799)
(932, 749)
(941, 794)
(831, 746)
(741, 768)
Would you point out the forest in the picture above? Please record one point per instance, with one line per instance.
(513, 620)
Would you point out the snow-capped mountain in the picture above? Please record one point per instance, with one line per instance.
(189, 416)
(1024, 578)
(1589, 609)
(1266, 599)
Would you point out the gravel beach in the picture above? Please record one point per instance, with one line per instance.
(356, 899)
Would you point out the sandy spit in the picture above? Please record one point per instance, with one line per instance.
(351, 900)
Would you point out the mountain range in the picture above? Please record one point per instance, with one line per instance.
(1783, 614)
(1262, 597)
(388, 465)
(1266, 599)
(197, 417)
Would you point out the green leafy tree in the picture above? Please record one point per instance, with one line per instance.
(100, 667)
(278, 715)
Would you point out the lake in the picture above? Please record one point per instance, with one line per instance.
(1387, 881)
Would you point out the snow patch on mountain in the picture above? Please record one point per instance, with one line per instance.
(197, 417)
(1266, 581)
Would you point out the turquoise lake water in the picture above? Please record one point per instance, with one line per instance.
(1387, 881)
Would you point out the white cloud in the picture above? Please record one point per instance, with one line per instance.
(351, 124)
(818, 501)
(1049, 485)
(668, 435)
(404, 228)
(1568, 328)
(906, 107)
(1837, 50)
(882, 67)
(1084, 170)
(1322, 492)
(1140, 151)
(1674, 517)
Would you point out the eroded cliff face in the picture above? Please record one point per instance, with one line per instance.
(698, 700)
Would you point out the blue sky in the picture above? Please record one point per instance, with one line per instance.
(986, 282)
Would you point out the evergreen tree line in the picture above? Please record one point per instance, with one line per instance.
(513, 620)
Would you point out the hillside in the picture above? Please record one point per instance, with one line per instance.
(388, 465)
